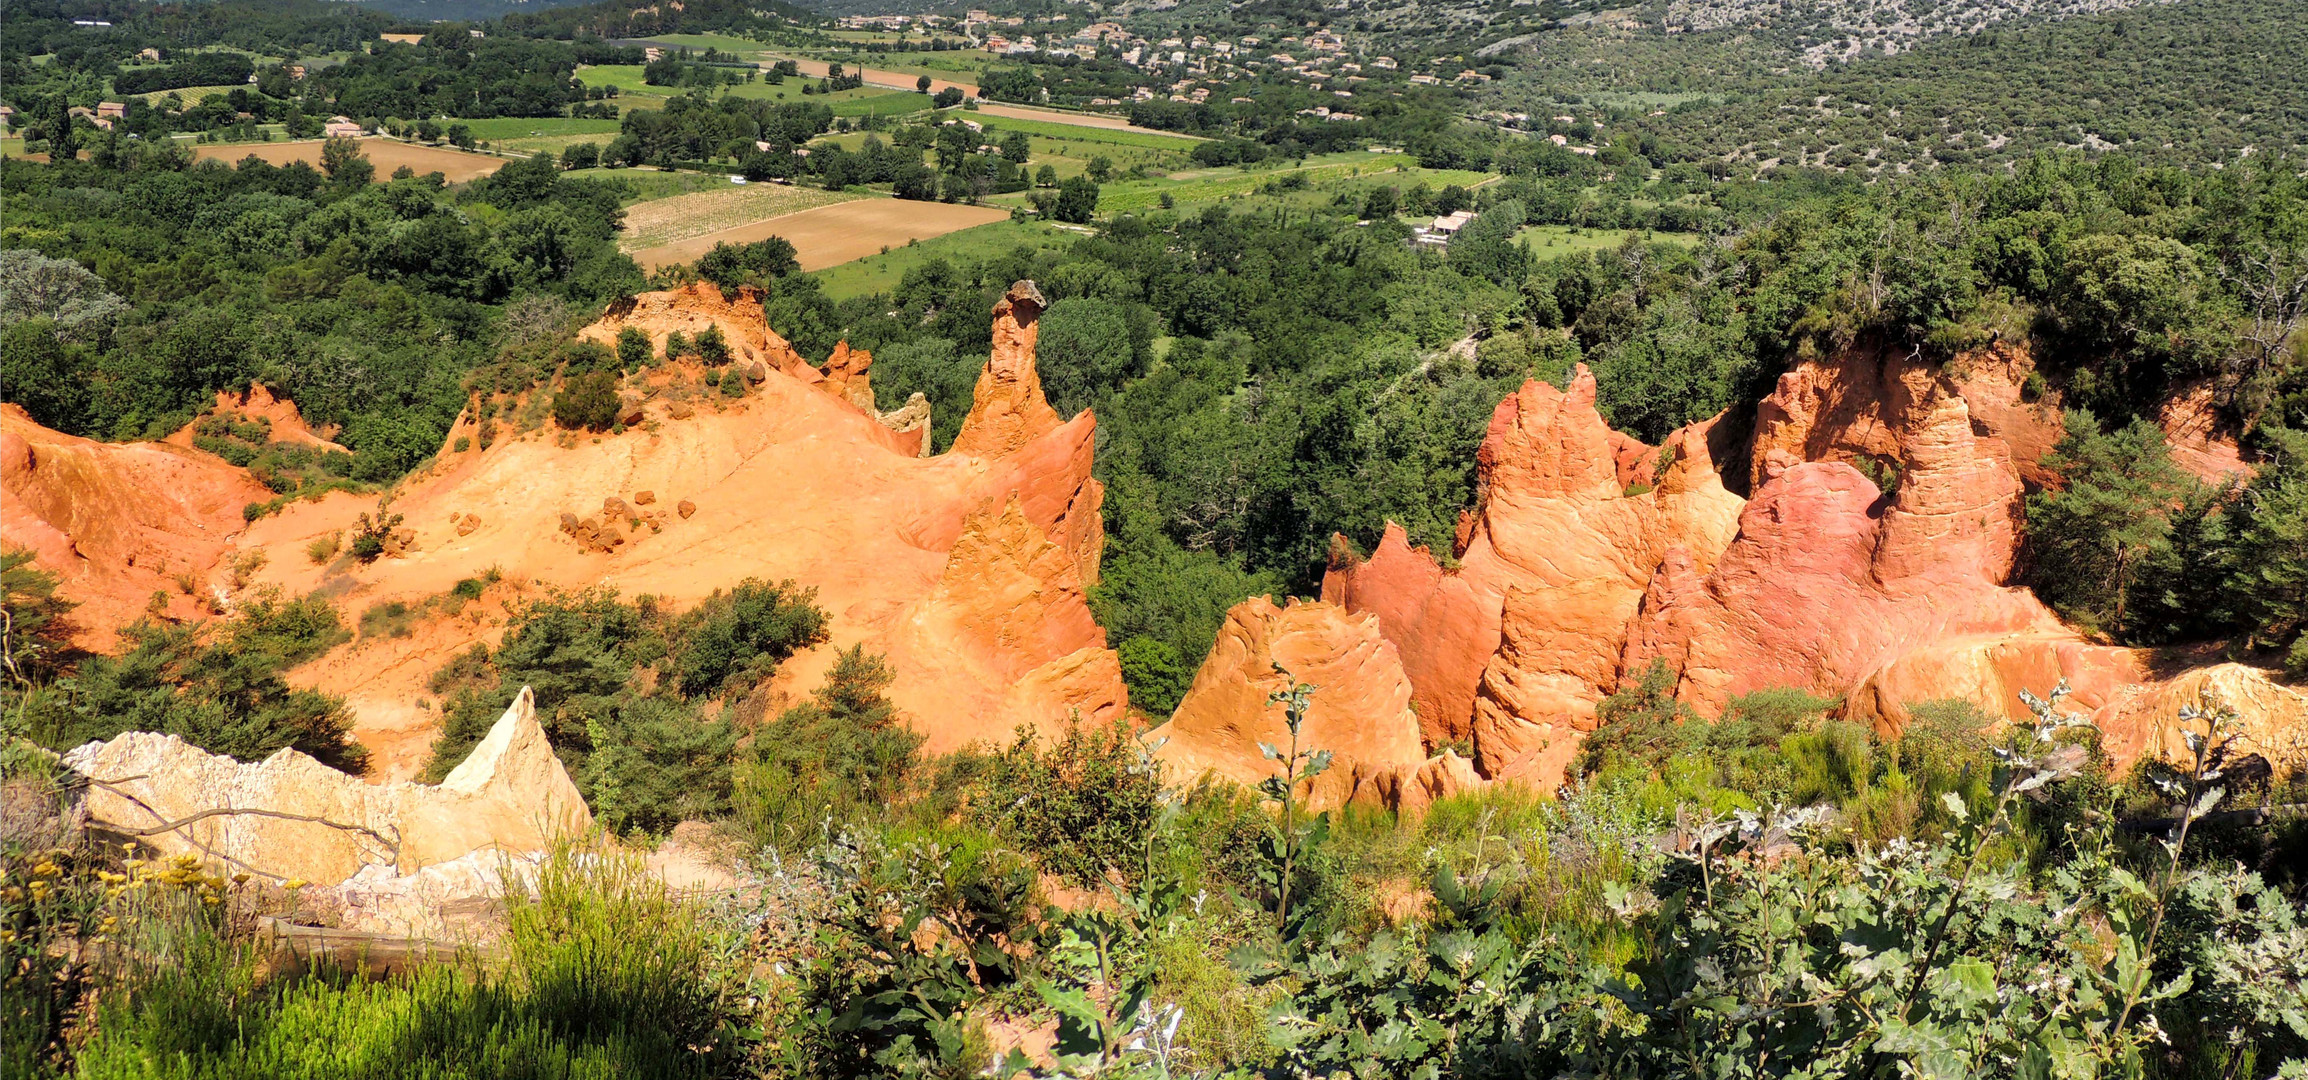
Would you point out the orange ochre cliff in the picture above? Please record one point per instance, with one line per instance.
(970, 569)
(1739, 559)
(1591, 557)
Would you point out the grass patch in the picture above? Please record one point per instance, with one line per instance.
(881, 273)
(388, 618)
(1081, 132)
(514, 127)
(1548, 241)
(604, 974)
(885, 103)
(1206, 186)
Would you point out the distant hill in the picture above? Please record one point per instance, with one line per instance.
(691, 16)
(2193, 81)
(461, 10)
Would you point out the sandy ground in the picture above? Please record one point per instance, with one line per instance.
(832, 235)
(386, 154)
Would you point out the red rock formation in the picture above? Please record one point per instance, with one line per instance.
(1856, 405)
(1360, 709)
(2201, 442)
(969, 571)
(117, 522)
(2121, 690)
(1525, 633)
(1828, 580)
(1007, 631)
(848, 376)
(1007, 410)
(280, 415)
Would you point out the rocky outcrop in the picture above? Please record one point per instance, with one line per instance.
(848, 375)
(2202, 442)
(693, 308)
(911, 419)
(1007, 410)
(1855, 406)
(1590, 557)
(282, 421)
(290, 817)
(968, 571)
(1359, 711)
(1512, 648)
(118, 522)
(1830, 579)
(1009, 629)
(2125, 692)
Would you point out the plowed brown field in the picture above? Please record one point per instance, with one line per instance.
(833, 235)
(386, 154)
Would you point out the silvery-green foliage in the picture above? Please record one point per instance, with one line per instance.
(33, 285)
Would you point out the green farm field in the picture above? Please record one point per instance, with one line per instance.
(1548, 241)
(1320, 173)
(881, 273)
(1085, 132)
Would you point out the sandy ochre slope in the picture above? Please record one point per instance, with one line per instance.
(968, 569)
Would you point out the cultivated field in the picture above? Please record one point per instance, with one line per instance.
(632, 93)
(659, 222)
(881, 273)
(832, 235)
(1327, 174)
(1075, 119)
(386, 154)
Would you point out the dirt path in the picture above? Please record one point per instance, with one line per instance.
(832, 235)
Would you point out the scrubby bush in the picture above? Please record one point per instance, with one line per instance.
(739, 636)
(842, 756)
(620, 691)
(633, 350)
(218, 686)
(587, 402)
(1083, 802)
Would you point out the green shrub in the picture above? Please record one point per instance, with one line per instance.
(711, 347)
(633, 351)
(644, 758)
(741, 635)
(844, 755)
(370, 534)
(1083, 804)
(587, 402)
(1156, 674)
(219, 688)
(387, 618)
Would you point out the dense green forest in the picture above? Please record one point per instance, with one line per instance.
(2196, 82)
